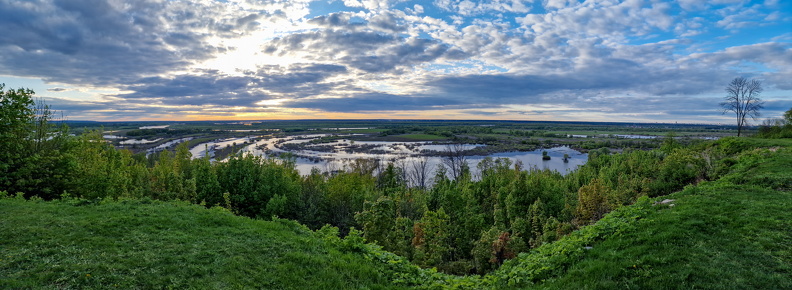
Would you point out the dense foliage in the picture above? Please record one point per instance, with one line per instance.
(35, 155)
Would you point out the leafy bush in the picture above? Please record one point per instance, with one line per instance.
(551, 259)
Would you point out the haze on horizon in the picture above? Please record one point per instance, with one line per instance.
(556, 60)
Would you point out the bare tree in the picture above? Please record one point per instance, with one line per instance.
(401, 164)
(454, 157)
(742, 98)
(419, 173)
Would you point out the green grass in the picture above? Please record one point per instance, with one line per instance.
(139, 244)
(721, 237)
(735, 233)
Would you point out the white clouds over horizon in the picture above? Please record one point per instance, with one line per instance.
(633, 60)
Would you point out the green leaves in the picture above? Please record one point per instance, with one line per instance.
(33, 153)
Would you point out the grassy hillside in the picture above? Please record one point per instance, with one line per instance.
(732, 233)
(136, 244)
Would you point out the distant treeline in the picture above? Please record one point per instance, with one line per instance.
(165, 131)
(777, 128)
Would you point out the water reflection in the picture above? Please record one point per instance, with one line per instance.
(333, 155)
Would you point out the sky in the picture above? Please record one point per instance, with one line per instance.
(536, 60)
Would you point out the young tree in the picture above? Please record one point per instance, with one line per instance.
(742, 98)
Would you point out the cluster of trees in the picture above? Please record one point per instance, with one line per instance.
(462, 224)
(33, 150)
(777, 127)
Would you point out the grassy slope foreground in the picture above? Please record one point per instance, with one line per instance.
(136, 244)
(733, 233)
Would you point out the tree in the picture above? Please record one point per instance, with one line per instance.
(34, 155)
(777, 127)
(431, 239)
(742, 98)
(456, 160)
(16, 118)
(592, 202)
(419, 173)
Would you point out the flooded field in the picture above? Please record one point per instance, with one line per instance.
(334, 155)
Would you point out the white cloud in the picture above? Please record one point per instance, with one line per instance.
(470, 8)
(418, 9)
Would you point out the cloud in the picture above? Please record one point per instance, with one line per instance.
(469, 8)
(66, 105)
(770, 61)
(196, 90)
(107, 42)
(472, 58)
(210, 87)
(373, 47)
(371, 102)
(777, 107)
(372, 4)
